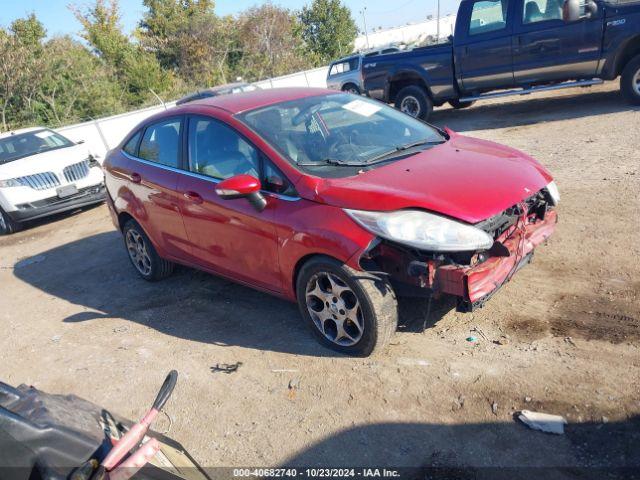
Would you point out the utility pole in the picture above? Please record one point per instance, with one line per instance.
(364, 20)
(438, 27)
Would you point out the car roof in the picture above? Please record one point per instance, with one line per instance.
(22, 130)
(242, 102)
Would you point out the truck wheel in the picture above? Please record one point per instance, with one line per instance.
(630, 81)
(458, 105)
(349, 311)
(351, 88)
(414, 101)
(7, 225)
(143, 255)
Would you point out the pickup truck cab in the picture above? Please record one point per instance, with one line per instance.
(514, 47)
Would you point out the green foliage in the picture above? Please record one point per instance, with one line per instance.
(270, 43)
(28, 31)
(179, 46)
(328, 30)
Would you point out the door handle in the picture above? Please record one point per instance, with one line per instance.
(136, 178)
(193, 197)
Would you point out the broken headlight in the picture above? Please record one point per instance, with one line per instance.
(554, 193)
(423, 230)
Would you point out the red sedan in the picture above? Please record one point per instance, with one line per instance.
(334, 201)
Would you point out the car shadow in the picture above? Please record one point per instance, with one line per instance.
(531, 110)
(492, 450)
(95, 274)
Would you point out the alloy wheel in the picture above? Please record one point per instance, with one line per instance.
(334, 309)
(635, 82)
(411, 106)
(137, 248)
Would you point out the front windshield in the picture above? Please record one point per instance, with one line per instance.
(339, 129)
(24, 145)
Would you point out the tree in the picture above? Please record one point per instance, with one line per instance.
(75, 84)
(18, 74)
(328, 29)
(270, 43)
(137, 68)
(180, 33)
(28, 31)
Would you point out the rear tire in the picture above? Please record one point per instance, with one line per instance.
(458, 105)
(630, 81)
(143, 254)
(351, 88)
(349, 311)
(415, 102)
(7, 225)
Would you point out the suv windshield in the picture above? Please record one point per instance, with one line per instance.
(24, 145)
(339, 130)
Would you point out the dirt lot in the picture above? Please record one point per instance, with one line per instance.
(76, 318)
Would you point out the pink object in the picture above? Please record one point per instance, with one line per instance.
(129, 441)
(136, 461)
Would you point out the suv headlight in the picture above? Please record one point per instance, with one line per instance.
(10, 182)
(423, 230)
(552, 188)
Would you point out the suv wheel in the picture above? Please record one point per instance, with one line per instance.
(630, 81)
(351, 88)
(143, 255)
(414, 101)
(349, 311)
(7, 225)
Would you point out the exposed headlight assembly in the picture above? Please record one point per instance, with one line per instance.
(423, 230)
(554, 193)
(10, 182)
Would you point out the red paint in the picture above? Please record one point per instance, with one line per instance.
(473, 283)
(240, 184)
(190, 223)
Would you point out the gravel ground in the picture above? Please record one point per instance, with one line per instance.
(562, 337)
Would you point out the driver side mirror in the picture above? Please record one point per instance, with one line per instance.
(242, 186)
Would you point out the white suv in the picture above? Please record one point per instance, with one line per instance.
(41, 173)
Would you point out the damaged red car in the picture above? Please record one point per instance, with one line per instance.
(334, 201)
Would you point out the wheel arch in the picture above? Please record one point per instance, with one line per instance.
(630, 49)
(123, 218)
(302, 261)
(406, 78)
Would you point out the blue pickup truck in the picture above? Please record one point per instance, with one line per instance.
(514, 47)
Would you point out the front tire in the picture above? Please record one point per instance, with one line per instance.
(351, 312)
(630, 81)
(415, 102)
(143, 255)
(7, 225)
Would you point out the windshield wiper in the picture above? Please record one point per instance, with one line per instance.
(333, 162)
(402, 148)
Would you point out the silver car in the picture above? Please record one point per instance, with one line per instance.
(346, 74)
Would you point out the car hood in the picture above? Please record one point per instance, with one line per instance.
(51, 161)
(464, 178)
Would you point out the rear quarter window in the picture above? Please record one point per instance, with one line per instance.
(131, 146)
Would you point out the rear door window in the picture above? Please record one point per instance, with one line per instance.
(161, 143)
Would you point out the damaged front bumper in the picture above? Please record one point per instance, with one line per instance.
(416, 274)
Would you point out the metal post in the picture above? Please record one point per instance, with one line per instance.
(438, 28)
(102, 137)
(364, 20)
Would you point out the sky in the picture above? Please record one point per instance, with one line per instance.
(58, 19)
